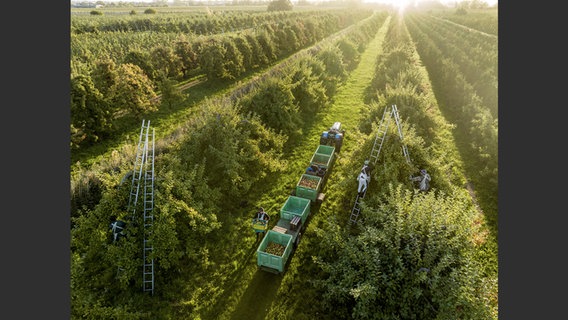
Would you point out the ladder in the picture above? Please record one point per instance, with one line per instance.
(144, 171)
(376, 150)
(381, 135)
(356, 208)
(397, 119)
(148, 268)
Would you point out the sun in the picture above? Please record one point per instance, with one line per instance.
(398, 4)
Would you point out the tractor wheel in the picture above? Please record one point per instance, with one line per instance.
(338, 145)
(323, 140)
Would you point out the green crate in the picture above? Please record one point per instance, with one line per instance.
(295, 206)
(323, 156)
(321, 160)
(326, 150)
(307, 192)
(271, 261)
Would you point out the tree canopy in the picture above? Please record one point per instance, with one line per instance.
(280, 5)
(413, 259)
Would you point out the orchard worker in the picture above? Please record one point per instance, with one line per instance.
(260, 217)
(424, 179)
(117, 228)
(364, 178)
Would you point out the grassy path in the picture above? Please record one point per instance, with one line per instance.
(347, 109)
(258, 290)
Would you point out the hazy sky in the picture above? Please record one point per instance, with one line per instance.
(490, 2)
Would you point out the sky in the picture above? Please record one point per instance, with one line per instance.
(395, 2)
(399, 3)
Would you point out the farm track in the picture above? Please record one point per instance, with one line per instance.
(182, 88)
(263, 289)
(466, 27)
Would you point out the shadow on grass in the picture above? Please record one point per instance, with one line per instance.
(260, 293)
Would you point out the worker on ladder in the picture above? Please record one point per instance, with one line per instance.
(364, 178)
(424, 179)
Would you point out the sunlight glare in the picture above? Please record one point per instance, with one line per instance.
(398, 4)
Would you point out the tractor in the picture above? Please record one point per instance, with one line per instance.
(333, 136)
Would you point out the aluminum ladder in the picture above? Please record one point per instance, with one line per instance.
(397, 119)
(148, 268)
(356, 208)
(376, 150)
(381, 135)
(138, 167)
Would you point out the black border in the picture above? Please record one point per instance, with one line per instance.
(532, 241)
(36, 159)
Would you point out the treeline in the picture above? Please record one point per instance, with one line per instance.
(466, 87)
(411, 255)
(120, 74)
(203, 173)
(484, 20)
(195, 22)
(475, 54)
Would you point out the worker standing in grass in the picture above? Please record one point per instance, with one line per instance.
(260, 222)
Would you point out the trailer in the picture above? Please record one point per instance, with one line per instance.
(279, 242)
(311, 182)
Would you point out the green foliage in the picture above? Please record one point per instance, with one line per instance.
(91, 115)
(235, 150)
(182, 220)
(132, 90)
(274, 103)
(280, 5)
(141, 59)
(332, 59)
(335, 71)
(233, 58)
(104, 75)
(286, 40)
(308, 90)
(245, 49)
(349, 52)
(413, 259)
(187, 56)
(165, 62)
(258, 57)
(96, 13)
(212, 59)
(460, 11)
(389, 66)
(149, 11)
(267, 45)
(170, 94)
(457, 78)
(132, 12)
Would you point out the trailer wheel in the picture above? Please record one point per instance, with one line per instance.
(297, 242)
(338, 145)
